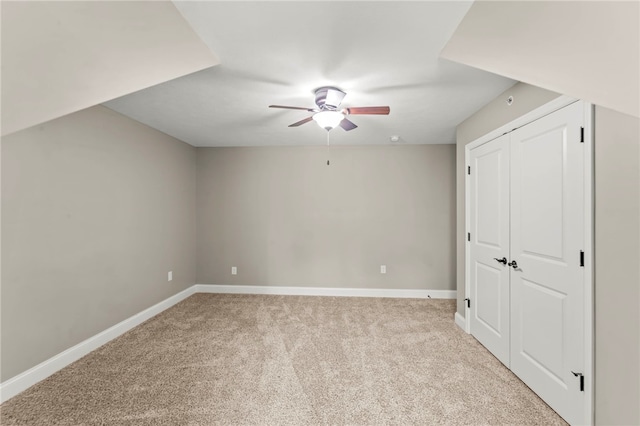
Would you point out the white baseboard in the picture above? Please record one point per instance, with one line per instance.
(461, 322)
(326, 291)
(19, 383)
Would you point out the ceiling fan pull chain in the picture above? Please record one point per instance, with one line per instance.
(328, 147)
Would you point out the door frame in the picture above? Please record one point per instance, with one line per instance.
(546, 109)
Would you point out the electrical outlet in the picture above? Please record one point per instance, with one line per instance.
(234, 270)
(383, 269)
(170, 276)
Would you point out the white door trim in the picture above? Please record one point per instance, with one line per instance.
(548, 108)
(589, 261)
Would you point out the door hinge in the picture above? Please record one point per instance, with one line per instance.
(581, 376)
(581, 258)
(468, 170)
(582, 134)
(468, 302)
(468, 236)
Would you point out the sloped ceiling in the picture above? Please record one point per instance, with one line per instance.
(59, 57)
(586, 49)
(272, 52)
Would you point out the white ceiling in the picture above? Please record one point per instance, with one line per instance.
(380, 53)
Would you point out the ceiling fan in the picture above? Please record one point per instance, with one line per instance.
(328, 115)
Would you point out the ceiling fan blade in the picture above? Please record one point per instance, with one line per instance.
(347, 125)
(334, 97)
(290, 107)
(301, 122)
(377, 110)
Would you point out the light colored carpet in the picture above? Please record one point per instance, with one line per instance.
(269, 360)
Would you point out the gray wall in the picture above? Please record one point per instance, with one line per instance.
(493, 115)
(96, 209)
(617, 282)
(617, 244)
(285, 218)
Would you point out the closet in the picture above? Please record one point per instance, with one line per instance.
(527, 219)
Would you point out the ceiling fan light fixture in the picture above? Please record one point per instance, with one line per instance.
(328, 119)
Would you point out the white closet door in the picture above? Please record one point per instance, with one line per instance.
(489, 227)
(547, 228)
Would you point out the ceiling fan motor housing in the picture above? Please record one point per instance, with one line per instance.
(329, 98)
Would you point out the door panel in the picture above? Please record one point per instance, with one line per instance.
(547, 199)
(489, 227)
(542, 335)
(488, 295)
(541, 182)
(487, 172)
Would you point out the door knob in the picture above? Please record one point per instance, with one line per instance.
(513, 264)
(503, 260)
